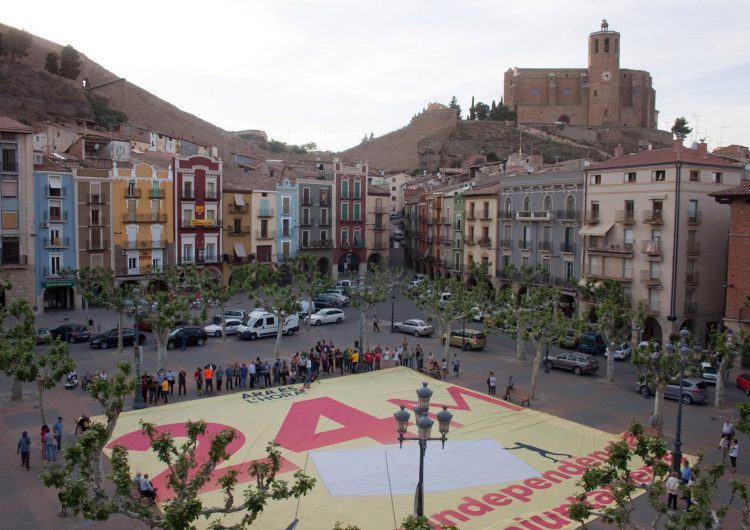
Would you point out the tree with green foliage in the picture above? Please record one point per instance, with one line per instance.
(501, 113)
(98, 286)
(52, 63)
(19, 361)
(70, 62)
(656, 368)
(620, 476)
(15, 44)
(372, 290)
(472, 110)
(310, 281)
(310, 147)
(614, 317)
(213, 290)
(680, 129)
(482, 111)
(86, 491)
(724, 349)
(455, 106)
(104, 115)
(492, 157)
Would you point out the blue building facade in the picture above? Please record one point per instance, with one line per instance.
(286, 205)
(55, 244)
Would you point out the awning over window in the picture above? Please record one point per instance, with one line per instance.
(596, 230)
(239, 200)
(55, 182)
(239, 250)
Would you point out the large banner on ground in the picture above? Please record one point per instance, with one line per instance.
(503, 467)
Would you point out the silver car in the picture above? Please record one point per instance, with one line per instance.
(340, 295)
(693, 390)
(418, 328)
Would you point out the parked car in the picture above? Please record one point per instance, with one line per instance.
(42, 335)
(327, 316)
(230, 328)
(708, 373)
(144, 325)
(188, 335)
(693, 390)
(578, 363)
(591, 343)
(345, 284)
(306, 307)
(235, 314)
(468, 339)
(623, 351)
(418, 328)
(327, 300)
(417, 280)
(263, 324)
(570, 340)
(444, 297)
(340, 294)
(743, 383)
(109, 338)
(71, 333)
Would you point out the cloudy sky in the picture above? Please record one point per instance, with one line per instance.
(330, 71)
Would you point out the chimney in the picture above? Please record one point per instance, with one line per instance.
(677, 144)
(702, 148)
(619, 151)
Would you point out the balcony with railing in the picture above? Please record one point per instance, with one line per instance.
(691, 308)
(153, 217)
(97, 244)
(155, 193)
(544, 246)
(691, 278)
(652, 248)
(505, 215)
(653, 307)
(624, 274)
(457, 226)
(524, 244)
(52, 216)
(651, 278)
(469, 240)
(535, 215)
(236, 208)
(600, 244)
(56, 242)
(592, 218)
(569, 216)
(11, 260)
(428, 239)
(693, 248)
(568, 248)
(325, 221)
(47, 272)
(265, 212)
(505, 244)
(96, 198)
(471, 216)
(187, 194)
(694, 218)
(626, 217)
(307, 221)
(212, 195)
(143, 244)
(267, 234)
(200, 223)
(57, 193)
(484, 215)
(484, 242)
(316, 244)
(653, 217)
(506, 273)
(133, 193)
(431, 220)
(564, 283)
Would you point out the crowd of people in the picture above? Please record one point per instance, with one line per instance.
(324, 358)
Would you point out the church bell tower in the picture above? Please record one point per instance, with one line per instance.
(604, 77)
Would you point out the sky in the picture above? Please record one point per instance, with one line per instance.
(330, 71)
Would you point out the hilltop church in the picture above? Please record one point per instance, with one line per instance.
(601, 95)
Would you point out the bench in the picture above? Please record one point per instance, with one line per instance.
(522, 395)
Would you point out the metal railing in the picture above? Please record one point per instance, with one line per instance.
(13, 261)
(505, 243)
(524, 244)
(267, 212)
(694, 218)
(211, 195)
(651, 277)
(144, 244)
(156, 194)
(569, 248)
(187, 194)
(133, 193)
(654, 217)
(100, 244)
(693, 247)
(691, 277)
(98, 198)
(61, 217)
(268, 234)
(625, 216)
(592, 218)
(236, 208)
(653, 307)
(567, 215)
(144, 218)
(57, 242)
(485, 242)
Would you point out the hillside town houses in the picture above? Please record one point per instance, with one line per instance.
(668, 223)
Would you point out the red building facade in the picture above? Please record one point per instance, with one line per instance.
(198, 212)
(350, 185)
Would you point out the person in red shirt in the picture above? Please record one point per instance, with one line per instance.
(198, 375)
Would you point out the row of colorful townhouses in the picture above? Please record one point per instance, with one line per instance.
(141, 206)
(656, 221)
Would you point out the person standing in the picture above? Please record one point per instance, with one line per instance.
(50, 447)
(170, 380)
(208, 377)
(456, 364)
(672, 485)
(375, 327)
(734, 451)
(24, 449)
(492, 384)
(219, 375)
(57, 428)
(198, 376)
(165, 390)
(181, 382)
(727, 430)
(43, 434)
(229, 372)
(724, 448)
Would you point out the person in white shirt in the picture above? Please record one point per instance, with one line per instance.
(734, 451)
(673, 486)
(147, 489)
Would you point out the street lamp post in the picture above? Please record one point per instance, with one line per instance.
(138, 307)
(393, 304)
(684, 351)
(424, 427)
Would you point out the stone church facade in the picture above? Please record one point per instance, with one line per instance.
(601, 95)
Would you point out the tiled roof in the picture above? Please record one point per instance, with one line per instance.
(156, 159)
(493, 189)
(9, 124)
(658, 157)
(239, 180)
(377, 190)
(743, 190)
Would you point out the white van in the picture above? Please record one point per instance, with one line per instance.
(444, 297)
(262, 324)
(307, 307)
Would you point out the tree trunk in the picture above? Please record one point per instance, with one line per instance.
(447, 345)
(16, 392)
(161, 338)
(611, 363)
(659, 409)
(40, 388)
(520, 352)
(535, 368)
(223, 322)
(119, 332)
(720, 378)
(309, 313)
(364, 346)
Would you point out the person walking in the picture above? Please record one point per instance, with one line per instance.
(181, 382)
(672, 485)
(375, 327)
(492, 384)
(57, 428)
(734, 451)
(24, 449)
(456, 364)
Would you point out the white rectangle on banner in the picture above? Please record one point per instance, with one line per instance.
(462, 464)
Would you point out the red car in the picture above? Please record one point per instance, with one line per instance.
(743, 383)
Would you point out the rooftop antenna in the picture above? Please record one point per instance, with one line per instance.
(697, 118)
(721, 135)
